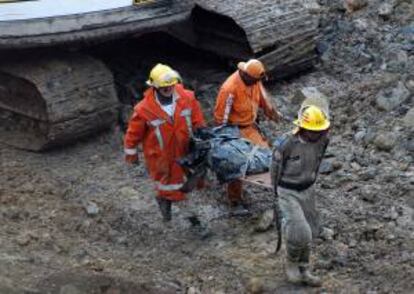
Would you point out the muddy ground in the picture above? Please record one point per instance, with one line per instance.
(78, 220)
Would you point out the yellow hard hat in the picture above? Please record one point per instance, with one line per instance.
(312, 118)
(162, 75)
(253, 68)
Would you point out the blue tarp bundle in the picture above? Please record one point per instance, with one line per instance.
(230, 157)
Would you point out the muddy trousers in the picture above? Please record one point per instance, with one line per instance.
(300, 222)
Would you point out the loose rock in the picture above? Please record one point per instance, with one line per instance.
(385, 141)
(389, 99)
(354, 5)
(255, 286)
(409, 119)
(92, 209)
(265, 221)
(385, 10)
(128, 192)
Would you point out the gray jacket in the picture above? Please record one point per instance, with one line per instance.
(295, 163)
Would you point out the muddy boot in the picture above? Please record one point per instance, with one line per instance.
(299, 274)
(165, 208)
(308, 278)
(293, 274)
(239, 208)
(199, 229)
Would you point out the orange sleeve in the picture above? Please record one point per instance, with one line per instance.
(135, 133)
(265, 103)
(220, 107)
(197, 118)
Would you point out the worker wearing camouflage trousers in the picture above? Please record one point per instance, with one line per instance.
(295, 163)
(300, 224)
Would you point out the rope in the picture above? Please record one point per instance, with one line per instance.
(249, 159)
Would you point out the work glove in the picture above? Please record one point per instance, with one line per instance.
(132, 159)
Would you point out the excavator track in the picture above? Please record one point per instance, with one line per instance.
(49, 99)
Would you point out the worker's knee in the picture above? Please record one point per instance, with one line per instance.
(298, 234)
(298, 244)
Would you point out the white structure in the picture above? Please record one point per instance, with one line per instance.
(42, 23)
(50, 8)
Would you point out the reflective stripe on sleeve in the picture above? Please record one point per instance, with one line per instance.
(229, 104)
(130, 151)
(187, 115)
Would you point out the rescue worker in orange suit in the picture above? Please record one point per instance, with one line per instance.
(163, 123)
(238, 102)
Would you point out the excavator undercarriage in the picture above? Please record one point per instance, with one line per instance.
(52, 93)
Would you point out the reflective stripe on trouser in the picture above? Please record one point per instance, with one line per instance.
(299, 222)
(169, 187)
(130, 151)
(156, 123)
(170, 191)
(186, 208)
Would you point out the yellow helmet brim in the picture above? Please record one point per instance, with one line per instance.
(164, 84)
(312, 127)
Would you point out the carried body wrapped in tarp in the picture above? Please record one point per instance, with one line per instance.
(225, 153)
(230, 157)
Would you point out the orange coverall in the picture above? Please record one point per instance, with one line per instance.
(238, 104)
(164, 139)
